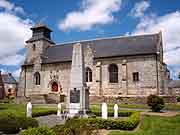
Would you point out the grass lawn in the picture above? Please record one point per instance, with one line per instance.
(20, 109)
(155, 125)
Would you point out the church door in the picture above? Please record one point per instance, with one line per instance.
(54, 87)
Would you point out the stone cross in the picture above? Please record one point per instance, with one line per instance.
(104, 111)
(115, 111)
(29, 109)
(59, 110)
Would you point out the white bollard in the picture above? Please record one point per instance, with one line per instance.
(29, 109)
(104, 111)
(59, 110)
(115, 111)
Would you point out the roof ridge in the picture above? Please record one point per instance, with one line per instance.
(107, 38)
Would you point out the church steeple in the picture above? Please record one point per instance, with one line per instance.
(38, 43)
(40, 31)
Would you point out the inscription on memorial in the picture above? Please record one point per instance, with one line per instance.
(74, 96)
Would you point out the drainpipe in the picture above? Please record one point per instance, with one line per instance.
(157, 72)
(25, 83)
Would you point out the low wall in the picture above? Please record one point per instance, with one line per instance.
(128, 99)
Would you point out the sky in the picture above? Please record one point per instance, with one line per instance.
(73, 20)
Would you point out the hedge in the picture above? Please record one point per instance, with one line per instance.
(38, 131)
(90, 124)
(43, 113)
(124, 124)
(10, 123)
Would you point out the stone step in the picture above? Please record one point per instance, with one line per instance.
(37, 99)
(52, 98)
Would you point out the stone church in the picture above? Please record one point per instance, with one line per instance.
(127, 66)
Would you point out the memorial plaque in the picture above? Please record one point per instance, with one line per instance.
(74, 96)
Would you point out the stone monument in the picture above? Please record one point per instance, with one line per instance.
(29, 109)
(78, 94)
(104, 111)
(115, 111)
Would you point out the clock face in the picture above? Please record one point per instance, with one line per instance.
(54, 87)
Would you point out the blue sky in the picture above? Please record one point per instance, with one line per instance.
(73, 20)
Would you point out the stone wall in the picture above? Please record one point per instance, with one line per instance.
(50, 73)
(145, 65)
(60, 73)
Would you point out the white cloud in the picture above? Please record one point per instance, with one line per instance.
(169, 24)
(11, 7)
(12, 60)
(93, 12)
(19, 10)
(6, 5)
(14, 31)
(139, 9)
(16, 73)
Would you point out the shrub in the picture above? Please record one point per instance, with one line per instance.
(178, 99)
(156, 103)
(38, 131)
(10, 123)
(75, 126)
(25, 122)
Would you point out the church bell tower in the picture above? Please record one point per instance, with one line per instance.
(38, 43)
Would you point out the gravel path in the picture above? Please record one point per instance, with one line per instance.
(50, 120)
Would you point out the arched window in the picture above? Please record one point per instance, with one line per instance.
(113, 73)
(88, 75)
(37, 78)
(54, 87)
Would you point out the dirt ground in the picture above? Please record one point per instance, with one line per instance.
(165, 114)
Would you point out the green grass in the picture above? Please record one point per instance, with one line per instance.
(155, 125)
(170, 106)
(20, 109)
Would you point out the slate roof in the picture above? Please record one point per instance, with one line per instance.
(40, 25)
(103, 48)
(8, 78)
(174, 84)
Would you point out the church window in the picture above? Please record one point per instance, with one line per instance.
(34, 47)
(113, 73)
(135, 76)
(88, 75)
(54, 87)
(37, 78)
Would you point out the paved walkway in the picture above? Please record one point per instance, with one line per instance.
(50, 120)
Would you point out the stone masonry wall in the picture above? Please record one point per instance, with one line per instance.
(60, 73)
(145, 65)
